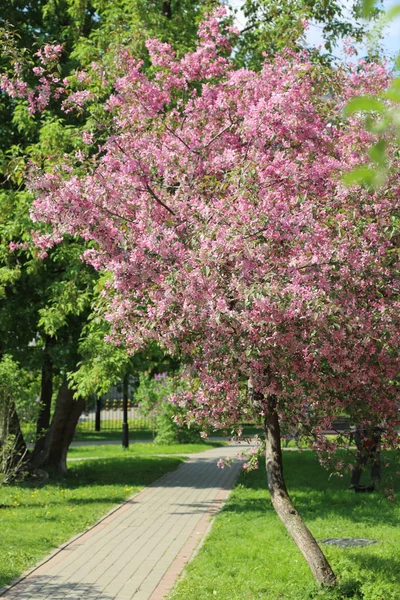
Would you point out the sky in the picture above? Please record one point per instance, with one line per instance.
(390, 41)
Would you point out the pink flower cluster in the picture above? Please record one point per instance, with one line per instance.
(218, 207)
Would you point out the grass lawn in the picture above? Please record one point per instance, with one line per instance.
(137, 431)
(34, 519)
(139, 449)
(248, 554)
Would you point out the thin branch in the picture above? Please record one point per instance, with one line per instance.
(331, 263)
(158, 200)
(180, 139)
(218, 135)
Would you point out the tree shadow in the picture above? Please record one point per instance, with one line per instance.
(379, 565)
(41, 587)
(316, 495)
(130, 471)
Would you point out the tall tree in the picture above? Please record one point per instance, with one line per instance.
(92, 33)
(217, 205)
(272, 26)
(43, 331)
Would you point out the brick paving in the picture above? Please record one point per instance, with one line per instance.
(139, 549)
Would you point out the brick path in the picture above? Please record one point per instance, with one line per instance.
(139, 549)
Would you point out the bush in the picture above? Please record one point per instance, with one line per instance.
(153, 396)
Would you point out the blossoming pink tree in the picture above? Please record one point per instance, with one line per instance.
(217, 205)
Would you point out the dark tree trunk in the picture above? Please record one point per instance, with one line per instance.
(167, 9)
(282, 503)
(46, 393)
(13, 451)
(61, 432)
(11, 427)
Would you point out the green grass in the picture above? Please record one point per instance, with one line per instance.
(248, 554)
(138, 430)
(34, 519)
(139, 449)
(111, 435)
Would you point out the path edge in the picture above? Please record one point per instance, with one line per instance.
(176, 570)
(114, 509)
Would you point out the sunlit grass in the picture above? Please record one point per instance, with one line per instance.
(139, 449)
(249, 555)
(34, 519)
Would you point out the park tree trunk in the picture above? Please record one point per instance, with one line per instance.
(282, 503)
(61, 432)
(46, 394)
(167, 9)
(13, 458)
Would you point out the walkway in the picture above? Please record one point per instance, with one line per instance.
(139, 549)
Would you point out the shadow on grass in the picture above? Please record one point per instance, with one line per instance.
(137, 471)
(112, 435)
(316, 495)
(379, 565)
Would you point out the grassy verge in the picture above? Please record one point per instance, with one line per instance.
(34, 519)
(139, 449)
(248, 554)
(85, 435)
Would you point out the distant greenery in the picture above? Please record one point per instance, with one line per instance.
(248, 554)
(35, 519)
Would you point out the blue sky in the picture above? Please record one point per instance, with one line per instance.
(390, 41)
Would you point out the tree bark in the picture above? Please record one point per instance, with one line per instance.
(46, 393)
(61, 432)
(167, 9)
(14, 428)
(283, 505)
(16, 458)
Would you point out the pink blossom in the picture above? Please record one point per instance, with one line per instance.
(217, 205)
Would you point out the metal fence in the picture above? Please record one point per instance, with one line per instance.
(105, 413)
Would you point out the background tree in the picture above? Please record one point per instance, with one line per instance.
(46, 301)
(92, 34)
(273, 26)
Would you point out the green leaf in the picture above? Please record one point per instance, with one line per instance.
(368, 7)
(360, 175)
(363, 103)
(377, 152)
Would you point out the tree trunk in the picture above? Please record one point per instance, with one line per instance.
(167, 9)
(283, 505)
(14, 429)
(61, 432)
(12, 453)
(46, 393)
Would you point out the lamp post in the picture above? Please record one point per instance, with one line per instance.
(97, 425)
(125, 425)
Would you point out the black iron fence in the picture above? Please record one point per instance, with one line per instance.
(106, 413)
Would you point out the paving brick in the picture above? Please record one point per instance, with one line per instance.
(139, 550)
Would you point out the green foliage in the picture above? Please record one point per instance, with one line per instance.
(153, 396)
(15, 387)
(382, 115)
(272, 26)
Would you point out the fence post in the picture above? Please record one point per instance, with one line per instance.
(97, 426)
(125, 424)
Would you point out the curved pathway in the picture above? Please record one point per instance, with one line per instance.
(138, 550)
